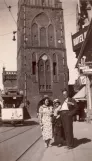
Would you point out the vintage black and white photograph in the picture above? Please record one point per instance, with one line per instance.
(45, 80)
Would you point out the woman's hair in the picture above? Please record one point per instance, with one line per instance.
(50, 102)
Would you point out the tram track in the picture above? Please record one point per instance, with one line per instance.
(18, 134)
(23, 154)
(7, 130)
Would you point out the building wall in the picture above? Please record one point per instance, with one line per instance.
(9, 79)
(44, 28)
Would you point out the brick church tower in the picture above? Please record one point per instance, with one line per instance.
(41, 50)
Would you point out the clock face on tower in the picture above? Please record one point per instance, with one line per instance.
(44, 57)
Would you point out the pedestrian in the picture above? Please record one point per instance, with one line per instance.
(68, 110)
(26, 114)
(41, 103)
(45, 116)
(57, 124)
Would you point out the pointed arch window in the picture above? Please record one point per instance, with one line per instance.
(43, 2)
(64, 79)
(54, 65)
(33, 64)
(34, 34)
(44, 74)
(51, 35)
(43, 37)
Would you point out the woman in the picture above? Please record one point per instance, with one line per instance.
(58, 128)
(45, 115)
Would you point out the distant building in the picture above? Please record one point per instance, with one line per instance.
(9, 79)
(41, 56)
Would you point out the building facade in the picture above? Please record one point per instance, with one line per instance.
(41, 55)
(84, 52)
(83, 18)
(9, 80)
(86, 67)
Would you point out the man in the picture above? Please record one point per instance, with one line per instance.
(68, 110)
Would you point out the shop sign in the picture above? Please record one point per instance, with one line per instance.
(78, 38)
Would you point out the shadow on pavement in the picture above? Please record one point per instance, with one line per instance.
(19, 124)
(78, 142)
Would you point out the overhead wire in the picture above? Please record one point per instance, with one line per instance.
(6, 34)
(10, 11)
(1, 9)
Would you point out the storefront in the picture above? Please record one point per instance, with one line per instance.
(81, 100)
(86, 51)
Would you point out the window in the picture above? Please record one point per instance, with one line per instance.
(34, 64)
(63, 61)
(54, 65)
(34, 34)
(44, 74)
(33, 68)
(54, 68)
(43, 37)
(43, 2)
(51, 35)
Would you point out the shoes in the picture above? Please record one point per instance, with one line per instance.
(59, 145)
(50, 145)
(46, 146)
(69, 147)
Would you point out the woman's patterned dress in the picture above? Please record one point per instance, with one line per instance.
(45, 113)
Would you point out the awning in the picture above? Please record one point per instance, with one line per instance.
(81, 95)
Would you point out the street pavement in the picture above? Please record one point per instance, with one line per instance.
(82, 150)
(14, 141)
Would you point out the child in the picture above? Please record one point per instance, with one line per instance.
(57, 124)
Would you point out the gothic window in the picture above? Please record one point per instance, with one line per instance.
(54, 68)
(28, 2)
(34, 64)
(36, 2)
(50, 2)
(64, 79)
(63, 61)
(44, 74)
(34, 34)
(43, 37)
(48, 75)
(51, 35)
(54, 65)
(43, 2)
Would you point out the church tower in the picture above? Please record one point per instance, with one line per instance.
(41, 51)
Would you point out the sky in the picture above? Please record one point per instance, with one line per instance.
(8, 48)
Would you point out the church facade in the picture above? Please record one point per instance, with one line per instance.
(41, 50)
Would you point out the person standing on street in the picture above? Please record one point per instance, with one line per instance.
(68, 110)
(45, 118)
(57, 124)
(40, 103)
